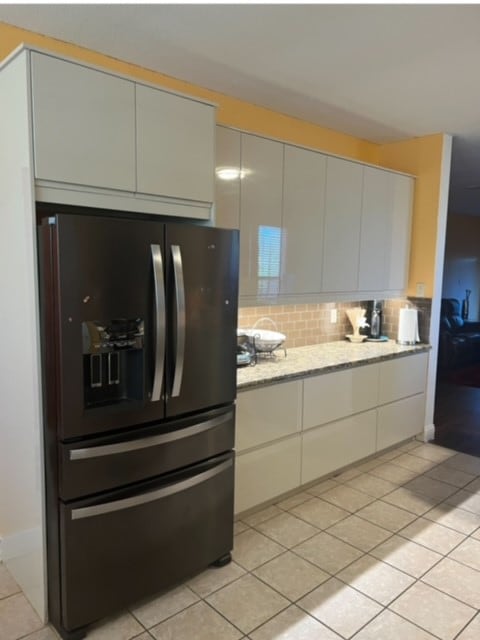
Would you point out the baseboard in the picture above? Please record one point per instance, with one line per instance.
(429, 433)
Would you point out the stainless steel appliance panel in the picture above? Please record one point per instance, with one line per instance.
(186, 523)
(202, 287)
(109, 462)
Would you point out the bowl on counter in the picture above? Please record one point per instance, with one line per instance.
(264, 339)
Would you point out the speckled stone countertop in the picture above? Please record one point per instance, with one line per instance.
(320, 358)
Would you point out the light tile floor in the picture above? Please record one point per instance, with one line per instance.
(387, 550)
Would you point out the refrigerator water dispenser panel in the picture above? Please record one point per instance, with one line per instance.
(113, 361)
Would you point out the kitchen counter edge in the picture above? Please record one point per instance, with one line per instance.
(318, 359)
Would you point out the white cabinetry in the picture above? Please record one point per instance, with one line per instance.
(402, 377)
(402, 399)
(175, 145)
(385, 231)
(260, 216)
(293, 433)
(268, 413)
(312, 226)
(302, 220)
(331, 396)
(262, 474)
(106, 141)
(337, 444)
(227, 178)
(83, 125)
(269, 419)
(343, 207)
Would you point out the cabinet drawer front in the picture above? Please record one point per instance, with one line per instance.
(335, 395)
(400, 420)
(338, 444)
(83, 125)
(267, 414)
(403, 377)
(266, 473)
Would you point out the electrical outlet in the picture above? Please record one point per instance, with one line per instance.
(420, 290)
(333, 316)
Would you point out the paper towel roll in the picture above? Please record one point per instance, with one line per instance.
(408, 326)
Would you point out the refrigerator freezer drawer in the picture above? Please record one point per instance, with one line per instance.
(128, 546)
(108, 463)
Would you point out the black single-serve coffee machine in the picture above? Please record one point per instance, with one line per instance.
(374, 319)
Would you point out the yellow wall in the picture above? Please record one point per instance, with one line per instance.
(420, 156)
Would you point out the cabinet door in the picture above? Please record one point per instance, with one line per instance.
(375, 229)
(175, 145)
(400, 420)
(83, 125)
(400, 231)
(267, 414)
(260, 216)
(402, 377)
(338, 444)
(342, 225)
(335, 395)
(267, 472)
(227, 178)
(303, 220)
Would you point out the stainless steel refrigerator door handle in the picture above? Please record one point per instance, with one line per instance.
(159, 287)
(150, 441)
(135, 501)
(181, 319)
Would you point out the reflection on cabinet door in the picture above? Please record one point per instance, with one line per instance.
(260, 216)
(303, 220)
(227, 178)
(342, 225)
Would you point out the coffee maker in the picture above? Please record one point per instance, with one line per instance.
(374, 319)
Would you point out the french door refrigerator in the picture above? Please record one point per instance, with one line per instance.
(139, 351)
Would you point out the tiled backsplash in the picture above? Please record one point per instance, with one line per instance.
(305, 324)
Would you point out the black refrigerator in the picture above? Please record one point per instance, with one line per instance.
(138, 321)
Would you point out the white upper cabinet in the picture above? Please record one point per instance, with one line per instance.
(398, 240)
(343, 206)
(385, 231)
(83, 125)
(260, 216)
(227, 178)
(303, 220)
(175, 145)
(375, 229)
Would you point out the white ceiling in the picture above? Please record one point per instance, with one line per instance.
(379, 72)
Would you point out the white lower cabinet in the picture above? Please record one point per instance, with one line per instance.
(400, 420)
(337, 444)
(293, 433)
(264, 473)
(335, 395)
(402, 377)
(269, 413)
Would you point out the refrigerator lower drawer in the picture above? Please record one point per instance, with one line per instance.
(118, 550)
(107, 462)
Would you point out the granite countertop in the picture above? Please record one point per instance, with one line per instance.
(318, 359)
